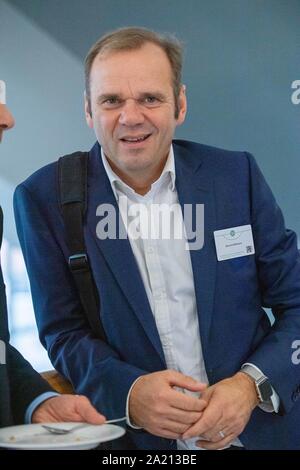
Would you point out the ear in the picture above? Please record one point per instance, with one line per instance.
(182, 105)
(88, 112)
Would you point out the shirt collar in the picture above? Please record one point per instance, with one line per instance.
(169, 169)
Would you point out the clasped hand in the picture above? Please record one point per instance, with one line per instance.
(217, 417)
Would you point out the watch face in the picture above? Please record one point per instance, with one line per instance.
(265, 390)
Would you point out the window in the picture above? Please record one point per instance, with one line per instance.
(23, 330)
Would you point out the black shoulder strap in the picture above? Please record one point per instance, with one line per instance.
(72, 183)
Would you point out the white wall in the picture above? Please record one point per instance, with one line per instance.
(45, 94)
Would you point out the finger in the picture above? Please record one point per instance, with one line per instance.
(176, 379)
(167, 434)
(216, 445)
(185, 402)
(210, 419)
(174, 427)
(218, 432)
(213, 437)
(87, 412)
(185, 417)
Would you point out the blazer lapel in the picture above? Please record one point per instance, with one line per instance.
(195, 186)
(117, 252)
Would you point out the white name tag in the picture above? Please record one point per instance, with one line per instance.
(234, 242)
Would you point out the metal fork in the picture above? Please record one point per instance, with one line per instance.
(54, 430)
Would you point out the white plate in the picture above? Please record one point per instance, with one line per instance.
(34, 437)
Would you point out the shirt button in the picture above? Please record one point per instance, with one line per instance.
(150, 250)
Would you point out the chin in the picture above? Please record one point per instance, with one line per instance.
(137, 161)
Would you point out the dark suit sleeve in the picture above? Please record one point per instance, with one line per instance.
(93, 367)
(278, 266)
(25, 384)
(21, 383)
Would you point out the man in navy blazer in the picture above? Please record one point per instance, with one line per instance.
(191, 357)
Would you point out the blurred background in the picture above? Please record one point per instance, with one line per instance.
(241, 58)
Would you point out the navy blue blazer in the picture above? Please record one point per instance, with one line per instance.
(230, 294)
(20, 384)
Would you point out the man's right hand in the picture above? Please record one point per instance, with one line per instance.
(160, 409)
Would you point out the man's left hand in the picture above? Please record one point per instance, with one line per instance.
(230, 404)
(67, 408)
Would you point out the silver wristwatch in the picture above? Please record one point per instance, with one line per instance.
(262, 384)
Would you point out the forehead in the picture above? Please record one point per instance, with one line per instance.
(147, 66)
(2, 92)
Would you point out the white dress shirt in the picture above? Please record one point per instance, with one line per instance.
(166, 271)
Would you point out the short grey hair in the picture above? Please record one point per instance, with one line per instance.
(131, 38)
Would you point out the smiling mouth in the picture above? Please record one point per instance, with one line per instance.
(135, 140)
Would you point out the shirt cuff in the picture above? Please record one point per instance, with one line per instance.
(129, 423)
(36, 402)
(274, 403)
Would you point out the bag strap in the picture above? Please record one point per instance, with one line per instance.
(72, 184)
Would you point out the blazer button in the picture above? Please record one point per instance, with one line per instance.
(295, 395)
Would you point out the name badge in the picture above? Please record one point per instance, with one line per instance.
(234, 242)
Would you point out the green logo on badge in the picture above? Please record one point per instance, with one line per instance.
(232, 233)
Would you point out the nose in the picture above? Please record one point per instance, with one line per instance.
(131, 114)
(6, 119)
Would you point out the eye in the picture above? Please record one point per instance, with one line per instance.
(151, 100)
(112, 102)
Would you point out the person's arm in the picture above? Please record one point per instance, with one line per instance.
(33, 400)
(278, 266)
(25, 383)
(232, 400)
(36, 403)
(66, 408)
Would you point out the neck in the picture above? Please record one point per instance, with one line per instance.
(139, 182)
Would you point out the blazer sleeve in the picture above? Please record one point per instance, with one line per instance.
(25, 384)
(278, 268)
(93, 367)
(21, 382)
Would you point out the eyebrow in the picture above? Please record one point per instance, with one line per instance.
(108, 96)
